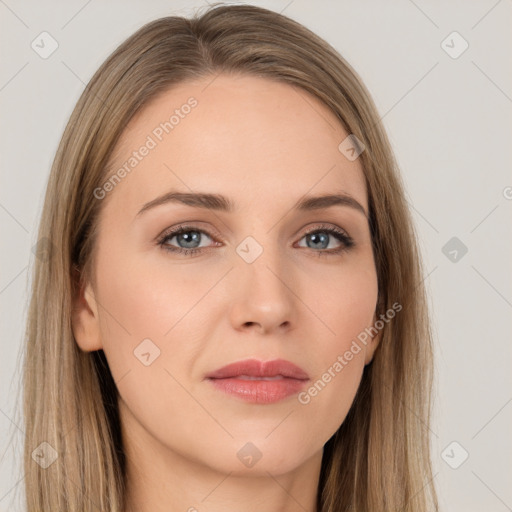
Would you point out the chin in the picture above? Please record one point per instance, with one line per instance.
(259, 457)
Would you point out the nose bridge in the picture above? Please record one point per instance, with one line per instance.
(263, 282)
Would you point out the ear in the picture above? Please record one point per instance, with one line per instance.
(84, 317)
(372, 345)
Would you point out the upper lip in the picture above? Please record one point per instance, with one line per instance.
(255, 368)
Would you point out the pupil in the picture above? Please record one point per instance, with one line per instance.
(321, 238)
(189, 237)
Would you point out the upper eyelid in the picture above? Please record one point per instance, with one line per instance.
(172, 232)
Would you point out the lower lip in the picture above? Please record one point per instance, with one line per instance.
(259, 391)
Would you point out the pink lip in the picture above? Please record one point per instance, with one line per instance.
(232, 379)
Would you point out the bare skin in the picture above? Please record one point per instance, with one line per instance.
(264, 145)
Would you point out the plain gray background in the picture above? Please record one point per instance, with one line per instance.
(449, 121)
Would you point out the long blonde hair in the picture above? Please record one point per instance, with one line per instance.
(379, 459)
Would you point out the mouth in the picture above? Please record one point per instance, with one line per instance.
(259, 382)
(248, 377)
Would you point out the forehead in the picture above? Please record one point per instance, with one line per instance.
(235, 134)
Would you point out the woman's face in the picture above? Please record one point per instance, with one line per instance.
(258, 287)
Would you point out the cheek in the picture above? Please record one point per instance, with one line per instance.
(149, 318)
(344, 298)
(347, 307)
(136, 309)
(155, 324)
(142, 301)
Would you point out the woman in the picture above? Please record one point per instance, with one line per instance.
(231, 313)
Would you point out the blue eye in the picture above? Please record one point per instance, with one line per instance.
(320, 236)
(187, 235)
(190, 238)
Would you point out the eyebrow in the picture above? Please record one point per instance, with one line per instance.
(221, 203)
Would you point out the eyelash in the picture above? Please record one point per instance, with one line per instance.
(347, 241)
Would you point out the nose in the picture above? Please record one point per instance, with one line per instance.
(265, 299)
